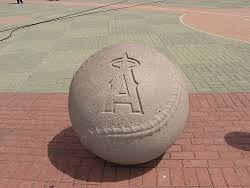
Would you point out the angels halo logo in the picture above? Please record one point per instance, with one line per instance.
(123, 89)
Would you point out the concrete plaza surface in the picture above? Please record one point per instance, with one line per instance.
(56, 49)
(38, 147)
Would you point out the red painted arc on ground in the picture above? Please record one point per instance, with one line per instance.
(13, 20)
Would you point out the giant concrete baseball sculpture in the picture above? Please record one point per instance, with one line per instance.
(127, 103)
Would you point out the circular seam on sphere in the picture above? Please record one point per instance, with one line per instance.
(154, 125)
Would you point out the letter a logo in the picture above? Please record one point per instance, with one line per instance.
(124, 86)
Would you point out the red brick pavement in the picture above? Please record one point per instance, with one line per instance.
(38, 148)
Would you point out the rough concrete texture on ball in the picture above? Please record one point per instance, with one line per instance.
(128, 103)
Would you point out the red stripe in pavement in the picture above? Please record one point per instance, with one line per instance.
(39, 148)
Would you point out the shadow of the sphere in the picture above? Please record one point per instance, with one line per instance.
(239, 140)
(68, 155)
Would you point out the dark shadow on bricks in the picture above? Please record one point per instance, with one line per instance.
(239, 140)
(68, 155)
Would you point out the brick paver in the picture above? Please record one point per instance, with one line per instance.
(39, 148)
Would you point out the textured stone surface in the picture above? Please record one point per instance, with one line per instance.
(128, 103)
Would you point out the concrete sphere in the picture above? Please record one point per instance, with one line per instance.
(128, 103)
